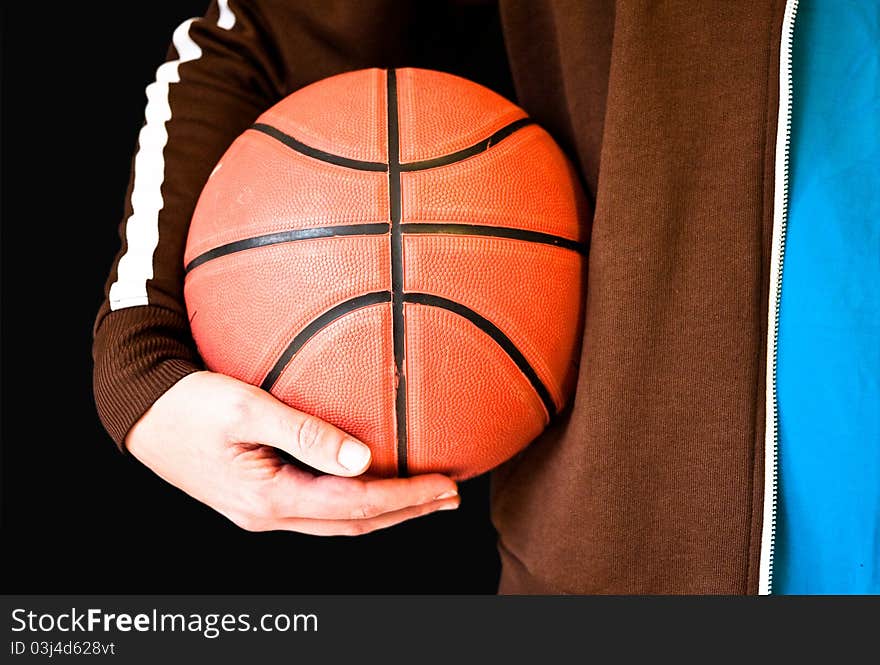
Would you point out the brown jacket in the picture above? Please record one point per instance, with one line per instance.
(654, 480)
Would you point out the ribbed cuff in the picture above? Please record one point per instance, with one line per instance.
(139, 353)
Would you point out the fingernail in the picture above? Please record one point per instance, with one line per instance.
(446, 495)
(448, 506)
(353, 455)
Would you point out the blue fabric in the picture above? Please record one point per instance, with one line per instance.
(828, 521)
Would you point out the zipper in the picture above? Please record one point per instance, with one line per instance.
(777, 260)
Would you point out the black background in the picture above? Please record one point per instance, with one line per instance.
(77, 515)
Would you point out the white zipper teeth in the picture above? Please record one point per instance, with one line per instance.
(777, 258)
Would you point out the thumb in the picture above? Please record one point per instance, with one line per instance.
(307, 438)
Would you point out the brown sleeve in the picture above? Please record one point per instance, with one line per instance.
(223, 71)
(219, 76)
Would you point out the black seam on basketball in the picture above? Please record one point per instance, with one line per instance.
(398, 331)
(289, 236)
(316, 325)
(315, 153)
(495, 232)
(497, 335)
(470, 151)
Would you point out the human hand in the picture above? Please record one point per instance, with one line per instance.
(214, 437)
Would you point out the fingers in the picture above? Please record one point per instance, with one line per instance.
(338, 504)
(319, 527)
(295, 493)
(307, 438)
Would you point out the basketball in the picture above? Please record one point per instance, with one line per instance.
(402, 254)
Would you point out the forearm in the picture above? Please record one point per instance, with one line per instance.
(217, 79)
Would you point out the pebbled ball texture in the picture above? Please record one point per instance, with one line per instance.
(403, 255)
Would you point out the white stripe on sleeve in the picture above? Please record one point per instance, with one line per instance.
(227, 18)
(142, 227)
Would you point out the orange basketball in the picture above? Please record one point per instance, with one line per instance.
(400, 253)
